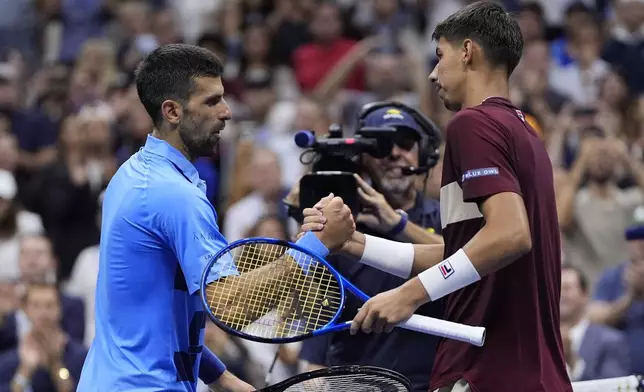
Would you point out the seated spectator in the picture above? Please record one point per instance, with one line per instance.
(618, 300)
(65, 194)
(14, 222)
(592, 351)
(38, 265)
(46, 359)
(82, 282)
(593, 211)
(9, 303)
(264, 175)
(312, 61)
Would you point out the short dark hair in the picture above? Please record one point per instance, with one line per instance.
(489, 25)
(583, 280)
(168, 73)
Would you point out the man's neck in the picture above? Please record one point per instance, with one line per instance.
(173, 139)
(485, 85)
(403, 201)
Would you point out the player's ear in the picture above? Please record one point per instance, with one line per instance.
(172, 111)
(467, 51)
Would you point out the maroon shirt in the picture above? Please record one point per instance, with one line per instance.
(491, 149)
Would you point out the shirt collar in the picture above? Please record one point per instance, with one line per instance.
(164, 149)
(577, 334)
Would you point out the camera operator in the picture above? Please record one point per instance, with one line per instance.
(398, 214)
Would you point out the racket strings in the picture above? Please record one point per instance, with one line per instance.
(293, 305)
(349, 383)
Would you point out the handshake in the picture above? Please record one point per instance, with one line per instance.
(332, 222)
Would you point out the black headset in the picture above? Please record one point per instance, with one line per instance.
(430, 138)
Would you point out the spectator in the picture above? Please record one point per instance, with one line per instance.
(14, 223)
(264, 175)
(627, 41)
(580, 79)
(46, 359)
(65, 194)
(82, 282)
(531, 21)
(313, 61)
(38, 265)
(35, 133)
(618, 300)
(592, 351)
(594, 212)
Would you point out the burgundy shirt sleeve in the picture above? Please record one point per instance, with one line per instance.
(482, 156)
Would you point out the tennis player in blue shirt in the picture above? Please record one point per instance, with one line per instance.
(158, 232)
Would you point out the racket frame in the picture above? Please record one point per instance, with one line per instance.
(328, 327)
(331, 326)
(335, 371)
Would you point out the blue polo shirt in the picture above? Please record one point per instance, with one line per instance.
(158, 232)
(407, 352)
(610, 288)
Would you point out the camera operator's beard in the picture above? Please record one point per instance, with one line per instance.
(396, 186)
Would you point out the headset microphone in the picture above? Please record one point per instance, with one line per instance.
(412, 171)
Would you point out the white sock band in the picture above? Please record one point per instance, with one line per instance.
(393, 257)
(451, 274)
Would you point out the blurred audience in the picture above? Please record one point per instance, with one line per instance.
(592, 351)
(38, 265)
(618, 299)
(70, 116)
(45, 358)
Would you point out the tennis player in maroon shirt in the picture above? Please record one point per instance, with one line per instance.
(500, 266)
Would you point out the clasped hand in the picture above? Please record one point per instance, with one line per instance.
(338, 226)
(385, 310)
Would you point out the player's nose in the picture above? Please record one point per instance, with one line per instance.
(225, 113)
(433, 76)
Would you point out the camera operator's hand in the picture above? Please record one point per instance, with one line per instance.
(379, 214)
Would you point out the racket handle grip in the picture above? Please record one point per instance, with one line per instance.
(446, 329)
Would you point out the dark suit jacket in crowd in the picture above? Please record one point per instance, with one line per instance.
(605, 353)
(73, 323)
(73, 358)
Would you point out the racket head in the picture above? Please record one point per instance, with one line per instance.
(250, 253)
(353, 378)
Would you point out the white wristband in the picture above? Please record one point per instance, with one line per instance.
(393, 257)
(451, 274)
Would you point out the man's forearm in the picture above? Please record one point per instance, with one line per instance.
(610, 313)
(424, 256)
(417, 235)
(240, 300)
(492, 249)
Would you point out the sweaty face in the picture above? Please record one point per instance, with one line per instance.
(449, 74)
(204, 117)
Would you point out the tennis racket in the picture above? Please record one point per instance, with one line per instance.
(344, 379)
(285, 293)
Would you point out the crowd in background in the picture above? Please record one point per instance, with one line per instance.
(70, 115)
